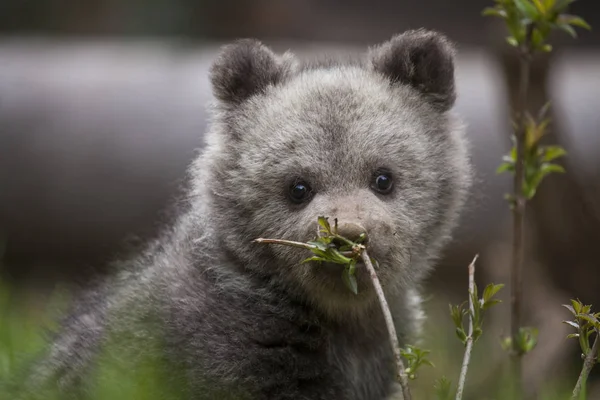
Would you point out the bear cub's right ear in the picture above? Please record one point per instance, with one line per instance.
(246, 67)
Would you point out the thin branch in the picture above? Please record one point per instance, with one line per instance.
(469, 346)
(518, 245)
(588, 364)
(287, 243)
(401, 371)
(301, 245)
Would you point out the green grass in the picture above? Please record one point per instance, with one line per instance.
(23, 321)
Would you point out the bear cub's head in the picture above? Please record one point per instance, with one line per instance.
(373, 143)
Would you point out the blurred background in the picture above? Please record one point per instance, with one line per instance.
(103, 106)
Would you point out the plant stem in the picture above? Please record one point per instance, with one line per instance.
(401, 371)
(588, 364)
(469, 346)
(301, 245)
(518, 246)
(286, 242)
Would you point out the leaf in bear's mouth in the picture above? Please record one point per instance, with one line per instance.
(330, 247)
(350, 280)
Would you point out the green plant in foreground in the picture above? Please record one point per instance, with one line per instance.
(415, 357)
(443, 389)
(458, 312)
(475, 313)
(587, 324)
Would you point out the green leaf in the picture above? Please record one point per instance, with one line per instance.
(586, 309)
(490, 291)
(491, 303)
(540, 6)
(527, 339)
(527, 9)
(588, 318)
(577, 306)
(572, 323)
(338, 257)
(319, 245)
(443, 389)
(477, 332)
(325, 224)
(561, 5)
(427, 362)
(529, 191)
(352, 267)
(459, 316)
(570, 308)
(548, 168)
(350, 281)
(573, 20)
(553, 152)
(589, 333)
(345, 247)
(572, 335)
(506, 343)
(505, 167)
(462, 336)
(318, 259)
(494, 12)
(512, 41)
(568, 28)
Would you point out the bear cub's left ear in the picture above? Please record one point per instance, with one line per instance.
(422, 59)
(247, 67)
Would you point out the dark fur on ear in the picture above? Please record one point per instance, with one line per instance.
(422, 59)
(245, 68)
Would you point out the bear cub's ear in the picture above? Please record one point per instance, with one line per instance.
(422, 59)
(247, 67)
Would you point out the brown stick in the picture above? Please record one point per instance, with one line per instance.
(401, 376)
(469, 347)
(588, 364)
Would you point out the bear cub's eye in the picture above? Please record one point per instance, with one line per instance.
(382, 182)
(300, 191)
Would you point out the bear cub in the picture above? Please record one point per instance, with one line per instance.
(372, 142)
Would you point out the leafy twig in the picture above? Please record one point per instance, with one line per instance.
(529, 23)
(587, 323)
(329, 246)
(518, 245)
(401, 375)
(476, 310)
(301, 245)
(469, 347)
(590, 360)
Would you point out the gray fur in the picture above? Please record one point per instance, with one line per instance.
(232, 314)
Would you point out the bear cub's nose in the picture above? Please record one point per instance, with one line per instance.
(352, 231)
